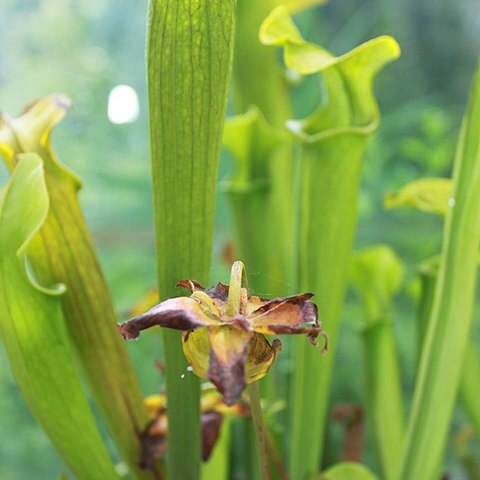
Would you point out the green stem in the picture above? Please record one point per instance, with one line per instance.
(424, 307)
(252, 59)
(470, 385)
(259, 426)
(275, 454)
(333, 141)
(189, 59)
(377, 275)
(448, 328)
(384, 394)
(469, 391)
(328, 217)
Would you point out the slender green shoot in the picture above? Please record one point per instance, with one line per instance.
(449, 324)
(260, 434)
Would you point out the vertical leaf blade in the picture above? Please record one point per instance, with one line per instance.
(64, 252)
(33, 331)
(189, 59)
(333, 141)
(377, 275)
(449, 324)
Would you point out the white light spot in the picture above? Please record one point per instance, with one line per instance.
(182, 375)
(294, 126)
(293, 77)
(123, 104)
(189, 368)
(451, 202)
(121, 469)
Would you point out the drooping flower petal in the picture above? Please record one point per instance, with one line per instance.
(211, 425)
(182, 313)
(295, 314)
(226, 369)
(196, 348)
(260, 357)
(256, 354)
(213, 409)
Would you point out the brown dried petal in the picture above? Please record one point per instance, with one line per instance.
(219, 292)
(182, 313)
(191, 285)
(295, 314)
(153, 441)
(211, 425)
(227, 360)
(258, 359)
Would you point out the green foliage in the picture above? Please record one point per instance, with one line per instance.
(332, 146)
(346, 471)
(432, 195)
(63, 252)
(255, 146)
(450, 319)
(377, 275)
(293, 193)
(33, 330)
(189, 59)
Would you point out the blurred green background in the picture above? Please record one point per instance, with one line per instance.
(85, 48)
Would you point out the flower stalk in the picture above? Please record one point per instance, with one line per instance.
(260, 433)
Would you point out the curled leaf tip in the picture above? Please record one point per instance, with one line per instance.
(30, 133)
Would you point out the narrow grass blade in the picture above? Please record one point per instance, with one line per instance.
(377, 274)
(33, 331)
(332, 145)
(449, 324)
(469, 390)
(189, 60)
(260, 431)
(64, 252)
(434, 195)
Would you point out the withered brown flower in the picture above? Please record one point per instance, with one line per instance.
(155, 436)
(224, 329)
